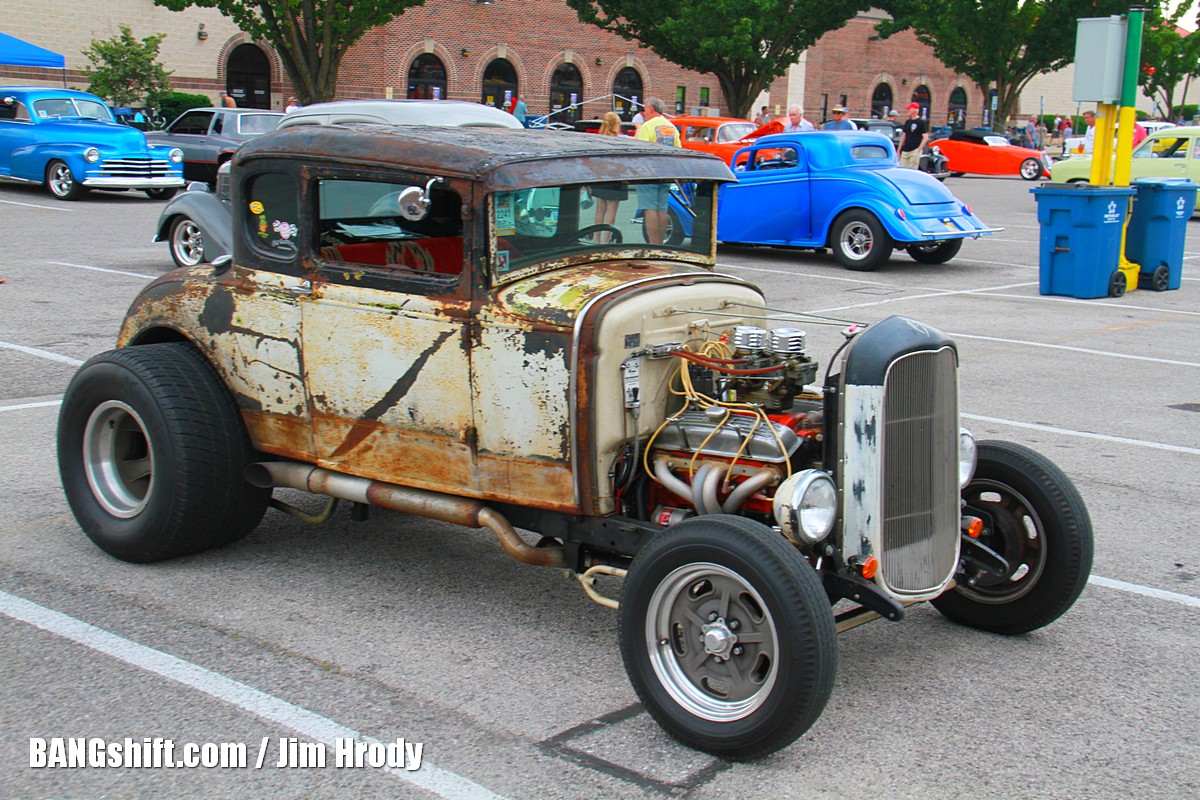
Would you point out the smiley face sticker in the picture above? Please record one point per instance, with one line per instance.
(256, 207)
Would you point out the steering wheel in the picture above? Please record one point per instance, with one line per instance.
(614, 238)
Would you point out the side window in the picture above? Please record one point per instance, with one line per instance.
(194, 122)
(775, 158)
(272, 215)
(218, 124)
(361, 224)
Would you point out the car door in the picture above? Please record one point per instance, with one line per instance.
(16, 130)
(386, 346)
(771, 202)
(1166, 156)
(190, 134)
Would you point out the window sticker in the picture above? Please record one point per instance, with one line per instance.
(502, 262)
(256, 207)
(506, 217)
(286, 230)
(264, 229)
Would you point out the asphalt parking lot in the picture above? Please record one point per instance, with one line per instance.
(509, 676)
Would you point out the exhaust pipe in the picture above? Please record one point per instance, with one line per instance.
(432, 505)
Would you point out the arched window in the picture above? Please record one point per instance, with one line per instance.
(881, 101)
(249, 77)
(499, 83)
(628, 90)
(427, 78)
(958, 108)
(566, 89)
(922, 97)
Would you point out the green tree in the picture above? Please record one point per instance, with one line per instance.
(310, 36)
(1170, 57)
(126, 72)
(746, 44)
(998, 44)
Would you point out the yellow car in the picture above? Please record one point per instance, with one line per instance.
(1170, 153)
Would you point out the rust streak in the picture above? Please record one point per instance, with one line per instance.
(394, 395)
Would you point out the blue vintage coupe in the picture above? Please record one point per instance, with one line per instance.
(841, 190)
(70, 142)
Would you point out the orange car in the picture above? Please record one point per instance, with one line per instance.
(991, 154)
(721, 136)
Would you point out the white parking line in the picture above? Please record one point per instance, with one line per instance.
(22, 406)
(441, 782)
(1033, 426)
(33, 351)
(1119, 305)
(933, 293)
(1076, 349)
(102, 269)
(1146, 591)
(34, 205)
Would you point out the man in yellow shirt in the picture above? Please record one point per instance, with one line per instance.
(652, 197)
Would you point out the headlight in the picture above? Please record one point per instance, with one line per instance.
(966, 457)
(91, 155)
(176, 155)
(806, 506)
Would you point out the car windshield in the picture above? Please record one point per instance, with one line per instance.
(996, 141)
(735, 131)
(257, 123)
(544, 225)
(51, 107)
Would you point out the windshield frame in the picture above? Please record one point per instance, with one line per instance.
(507, 229)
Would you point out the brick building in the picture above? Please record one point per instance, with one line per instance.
(473, 50)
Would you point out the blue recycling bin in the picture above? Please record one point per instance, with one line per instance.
(1158, 228)
(1080, 242)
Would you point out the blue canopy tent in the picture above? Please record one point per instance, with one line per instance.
(19, 53)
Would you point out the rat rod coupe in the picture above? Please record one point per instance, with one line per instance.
(429, 320)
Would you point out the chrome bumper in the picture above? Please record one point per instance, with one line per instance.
(132, 183)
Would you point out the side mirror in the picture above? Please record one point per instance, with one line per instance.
(414, 201)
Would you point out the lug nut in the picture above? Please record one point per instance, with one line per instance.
(734, 624)
(712, 616)
(737, 651)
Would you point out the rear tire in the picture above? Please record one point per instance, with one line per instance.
(938, 253)
(187, 242)
(859, 241)
(728, 637)
(151, 450)
(1117, 284)
(1034, 518)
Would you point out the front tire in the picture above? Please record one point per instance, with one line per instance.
(187, 242)
(937, 252)
(151, 449)
(860, 242)
(1031, 169)
(1033, 517)
(727, 637)
(61, 183)
(161, 194)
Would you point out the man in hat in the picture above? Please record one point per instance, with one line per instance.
(914, 133)
(227, 101)
(839, 121)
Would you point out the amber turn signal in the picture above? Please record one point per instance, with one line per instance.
(869, 567)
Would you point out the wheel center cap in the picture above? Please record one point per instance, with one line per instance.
(718, 639)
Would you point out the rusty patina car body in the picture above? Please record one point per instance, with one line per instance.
(433, 320)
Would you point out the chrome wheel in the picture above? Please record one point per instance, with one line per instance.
(857, 240)
(187, 243)
(117, 459)
(60, 182)
(1031, 169)
(713, 643)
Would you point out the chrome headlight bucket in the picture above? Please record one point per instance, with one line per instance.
(966, 457)
(806, 506)
(176, 155)
(91, 155)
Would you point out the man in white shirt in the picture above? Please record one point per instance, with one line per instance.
(1089, 140)
(796, 122)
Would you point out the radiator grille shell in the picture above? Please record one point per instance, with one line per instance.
(920, 493)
